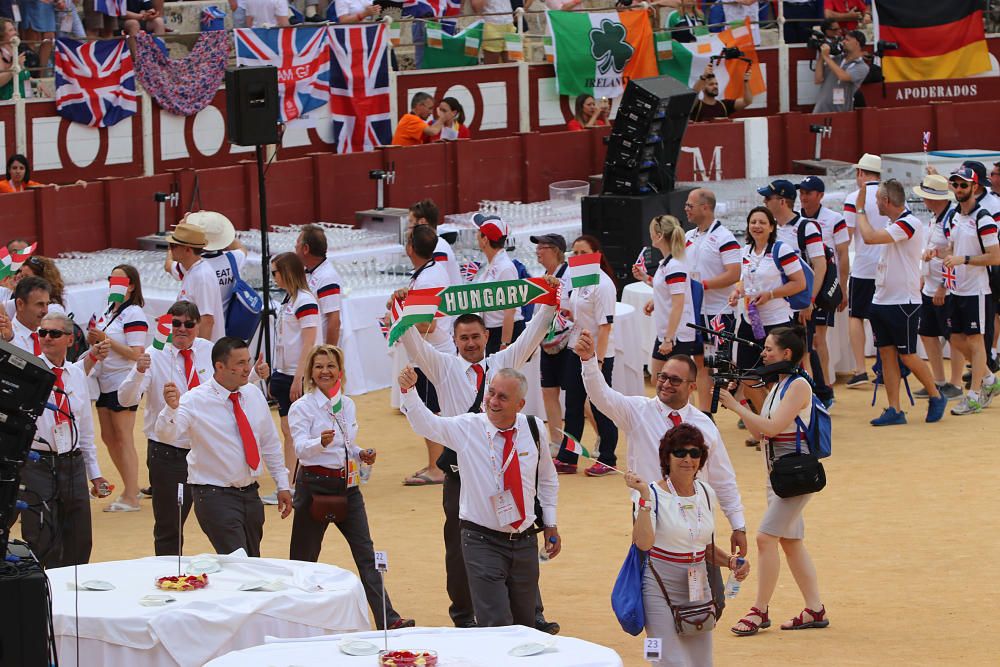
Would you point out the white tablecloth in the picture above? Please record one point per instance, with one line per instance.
(477, 647)
(637, 294)
(116, 631)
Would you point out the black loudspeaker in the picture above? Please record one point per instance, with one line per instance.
(252, 105)
(645, 141)
(621, 223)
(24, 633)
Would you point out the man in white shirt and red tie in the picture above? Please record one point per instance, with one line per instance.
(31, 304)
(57, 524)
(230, 430)
(502, 472)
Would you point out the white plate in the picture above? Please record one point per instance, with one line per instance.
(531, 648)
(156, 600)
(266, 586)
(97, 585)
(358, 647)
(203, 565)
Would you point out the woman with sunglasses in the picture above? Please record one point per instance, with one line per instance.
(298, 324)
(324, 426)
(782, 523)
(124, 326)
(675, 524)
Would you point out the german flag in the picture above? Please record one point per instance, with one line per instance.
(938, 39)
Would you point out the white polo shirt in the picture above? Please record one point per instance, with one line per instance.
(866, 257)
(708, 253)
(431, 275)
(897, 273)
(967, 232)
(592, 306)
(325, 283)
(500, 268)
(200, 285)
(671, 278)
(129, 328)
(760, 274)
(294, 316)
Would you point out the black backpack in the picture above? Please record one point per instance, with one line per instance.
(830, 292)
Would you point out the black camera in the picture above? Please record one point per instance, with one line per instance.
(724, 369)
(881, 46)
(817, 39)
(728, 53)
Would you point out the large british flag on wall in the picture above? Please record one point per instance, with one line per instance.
(359, 87)
(95, 81)
(303, 61)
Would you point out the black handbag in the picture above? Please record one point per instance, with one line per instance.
(796, 474)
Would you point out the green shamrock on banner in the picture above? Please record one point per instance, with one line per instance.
(609, 48)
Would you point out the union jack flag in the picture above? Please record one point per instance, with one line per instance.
(303, 61)
(383, 325)
(359, 87)
(95, 81)
(948, 277)
(717, 324)
(110, 7)
(927, 141)
(641, 259)
(469, 270)
(436, 8)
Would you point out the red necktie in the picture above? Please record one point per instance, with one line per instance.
(512, 475)
(189, 371)
(38, 345)
(250, 450)
(62, 402)
(480, 374)
(675, 417)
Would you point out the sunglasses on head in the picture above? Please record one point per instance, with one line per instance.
(187, 324)
(681, 452)
(674, 380)
(51, 333)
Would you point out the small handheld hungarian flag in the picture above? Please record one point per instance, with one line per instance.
(118, 288)
(948, 277)
(336, 400)
(19, 258)
(163, 335)
(573, 446)
(585, 269)
(420, 306)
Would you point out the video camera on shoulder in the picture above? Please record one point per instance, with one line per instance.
(817, 39)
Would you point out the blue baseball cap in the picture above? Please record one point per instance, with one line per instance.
(778, 188)
(812, 184)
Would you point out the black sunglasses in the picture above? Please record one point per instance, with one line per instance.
(187, 324)
(680, 452)
(54, 334)
(674, 380)
(960, 185)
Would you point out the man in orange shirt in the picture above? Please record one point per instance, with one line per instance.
(413, 128)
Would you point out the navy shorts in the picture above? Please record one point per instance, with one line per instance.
(970, 314)
(935, 321)
(895, 326)
(692, 348)
(280, 386)
(427, 392)
(823, 318)
(860, 293)
(109, 400)
(552, 368)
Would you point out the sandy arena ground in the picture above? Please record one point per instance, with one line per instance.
(903, 538)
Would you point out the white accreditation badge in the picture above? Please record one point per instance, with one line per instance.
(505, 508)
(63, 437)
(353, 472)
(696, 587)
(652, 649)
(839, 96)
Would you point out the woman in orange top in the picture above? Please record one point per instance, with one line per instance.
(588, 113)
(18, 175)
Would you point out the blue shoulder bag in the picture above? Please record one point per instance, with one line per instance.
(626, 596)
(245, 307)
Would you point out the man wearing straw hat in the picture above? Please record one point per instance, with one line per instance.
(199, 282)
(221, 245)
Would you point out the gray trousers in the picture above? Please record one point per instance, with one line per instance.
(457, 581)
(58, 531)
(167, 468)
(307, 536)
(677, 651)
(503, 577)
(231, 518)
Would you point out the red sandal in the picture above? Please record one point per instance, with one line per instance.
(765, 623)
(818, 620)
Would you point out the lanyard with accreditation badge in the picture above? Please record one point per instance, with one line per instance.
(504, 507)
(696, 584)
(350, 462)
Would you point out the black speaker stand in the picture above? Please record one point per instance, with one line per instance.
(265, 258)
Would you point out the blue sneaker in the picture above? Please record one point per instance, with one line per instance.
(935, 408)
(890, 417)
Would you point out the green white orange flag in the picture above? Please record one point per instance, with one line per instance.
(420, 307)
(444, 50)
(585, 269)
(686, 62)
(118, 287)
(574, 446)
(336, 399)
(163, 335)
(597, 53)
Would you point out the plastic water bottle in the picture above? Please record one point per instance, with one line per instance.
(732, 585)
(543, 555)
(755, 323)
(366, 472)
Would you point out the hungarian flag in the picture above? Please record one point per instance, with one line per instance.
(459, 50)
(597, 53)
(336, 400)
(163, 335)
(686, 62)
(420, 306)
(118, 288)
(11, 263)
(937, 39)
(574, 446)
(585, 269)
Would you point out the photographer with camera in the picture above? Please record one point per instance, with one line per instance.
(709, 106)
(839, 77)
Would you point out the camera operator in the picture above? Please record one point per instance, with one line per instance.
(839, 78)
(709, 106)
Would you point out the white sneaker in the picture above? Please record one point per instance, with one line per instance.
(270, 499)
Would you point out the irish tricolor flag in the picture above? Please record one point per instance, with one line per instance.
(118, 287)
(596, 53)
(574, 447)
(686, 62)
(336, 399)
(163, 335)
(420, 306)
(585, 269)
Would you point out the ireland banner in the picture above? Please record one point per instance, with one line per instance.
(686, 62)
(597, 53)
(425, 304)
(444, 50)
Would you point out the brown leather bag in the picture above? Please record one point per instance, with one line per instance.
(328, 508)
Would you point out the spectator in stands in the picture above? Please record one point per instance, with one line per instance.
(38, 27)
(797, 23)
(141, 15)
(264, 13)
(995, 178)
(239, 10)
(680, 20)
(18, 176)
(709, 106)
(499, 20)
(452, 116)
(589, 113)
(98, 24)
(349, 11)
(839, 78)
(7, 54)
(848, 12)
(413, 128)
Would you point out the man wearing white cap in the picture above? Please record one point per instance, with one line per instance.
(223, 252)
(503, 325)
(198, 282)
(861, 286)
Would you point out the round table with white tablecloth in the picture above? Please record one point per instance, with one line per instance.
(455, 647)
(637, 295)
(116, 630)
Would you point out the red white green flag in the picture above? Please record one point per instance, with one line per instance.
(336, 400)
(585, 269)
(574, 446)
(118, 288)
(19, 258)
(420, 307)
(163, 335)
